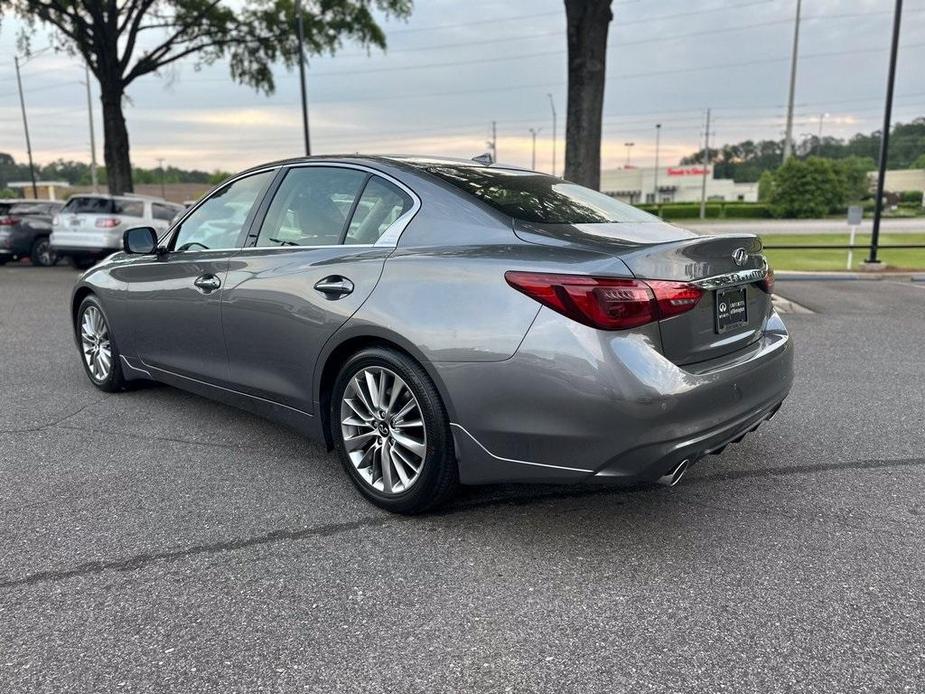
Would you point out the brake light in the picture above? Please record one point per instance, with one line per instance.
(767, 284)
(7, 221)
(56, 220)
(108, 222)
(607, 303)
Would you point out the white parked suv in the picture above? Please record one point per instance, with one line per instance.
(90, 226)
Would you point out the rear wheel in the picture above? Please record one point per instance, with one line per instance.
(392, 433)
(42, 254)
(99, 354)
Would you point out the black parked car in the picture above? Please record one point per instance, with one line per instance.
(24, 230)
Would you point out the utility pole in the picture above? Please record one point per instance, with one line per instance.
(493, 142)
(300, 30)
(658, 137)
(885, 138)
(533, 132)
(552, 105)
(706, 165)
(160, 165)
(25, 125)
(93, 176)
(788, 131)
(629, 148)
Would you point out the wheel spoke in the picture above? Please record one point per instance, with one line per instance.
(374, 396)
(354, 442)
(358, 389)
(408, 407)
(399, 466)
(397, 386)
(409, 424)
(416, 447)
(365, 416)
(397, 453)
(387, 481)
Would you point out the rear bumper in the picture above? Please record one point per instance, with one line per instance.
(94, 242)
(15, 242)
(577, 404)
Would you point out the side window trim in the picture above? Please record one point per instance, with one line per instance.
(260, 211)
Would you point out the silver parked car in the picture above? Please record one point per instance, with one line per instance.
(90, 226)
(441, 322)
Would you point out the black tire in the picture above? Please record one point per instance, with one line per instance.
(41, 254)
(438, 478)
(82, 262)
(113, 381)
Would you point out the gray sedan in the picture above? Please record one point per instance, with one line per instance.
(442, 322)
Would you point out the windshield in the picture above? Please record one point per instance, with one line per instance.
(539, 198)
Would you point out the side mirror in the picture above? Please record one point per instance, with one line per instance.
(140, 241)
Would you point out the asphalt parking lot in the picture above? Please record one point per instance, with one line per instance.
(154, 541)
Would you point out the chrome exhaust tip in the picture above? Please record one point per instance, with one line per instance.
(674, 476)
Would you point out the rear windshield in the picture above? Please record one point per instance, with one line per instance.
(22, 208)
(91, 205)
(533, 197)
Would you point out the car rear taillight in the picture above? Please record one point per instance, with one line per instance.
(108, 222)
(7, 221)
(607, 303)
(56, 220)
(767, 284)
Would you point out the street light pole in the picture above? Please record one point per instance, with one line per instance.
(788, 132)
(629, 148)
(93, 175)
(706, 165)
(885, 136)
(25, 125)
(533, 132)
(552, 105)
(300, 30)
(658, 137)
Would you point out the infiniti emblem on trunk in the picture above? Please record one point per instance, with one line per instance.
(740, 256)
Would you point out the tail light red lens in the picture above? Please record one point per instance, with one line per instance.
(108, 222)
(7, 221)
(607, 303)
(767, 284)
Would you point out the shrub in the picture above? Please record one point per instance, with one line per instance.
(911, 197)
(808, 188)
(747, 210)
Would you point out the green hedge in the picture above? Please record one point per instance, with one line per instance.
(714, 210)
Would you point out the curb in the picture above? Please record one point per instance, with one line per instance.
(847, 276)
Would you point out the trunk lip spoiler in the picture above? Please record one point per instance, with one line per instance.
(731, 279)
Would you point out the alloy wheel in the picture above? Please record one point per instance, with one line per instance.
(94, 340)
(383, 430)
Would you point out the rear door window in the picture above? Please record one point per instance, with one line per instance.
(164, 212)
(129, 208)
(380, 205)
(311, 207)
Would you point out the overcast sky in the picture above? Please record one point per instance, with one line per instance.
(456, 65)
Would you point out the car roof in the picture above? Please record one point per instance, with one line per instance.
(414, 161)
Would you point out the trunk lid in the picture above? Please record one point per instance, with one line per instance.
(728, 268)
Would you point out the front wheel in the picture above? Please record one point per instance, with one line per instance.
(98, 351)
(392, 432)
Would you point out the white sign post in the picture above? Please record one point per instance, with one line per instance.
(855, 214)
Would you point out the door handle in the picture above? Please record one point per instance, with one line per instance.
(334, 286)
(208, 283)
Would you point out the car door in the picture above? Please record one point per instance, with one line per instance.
(174, 299)
(314, 260)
